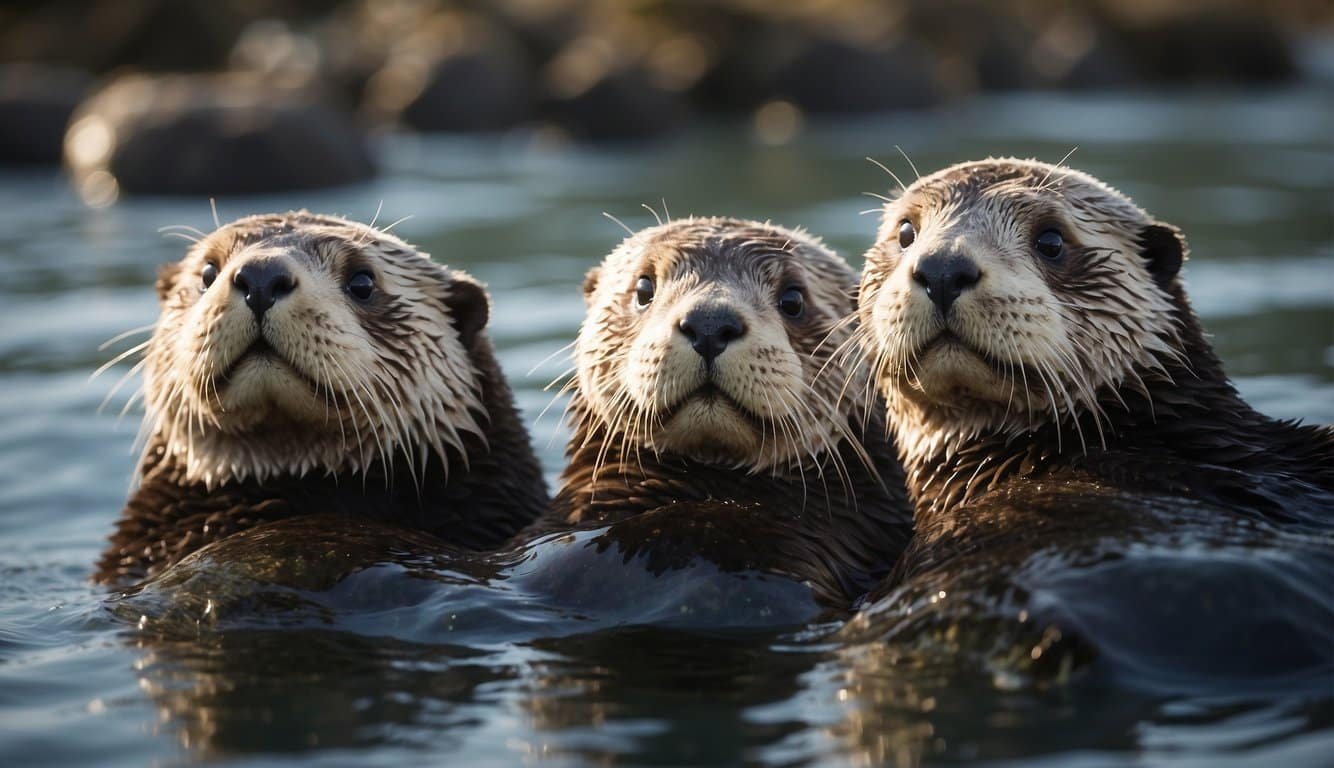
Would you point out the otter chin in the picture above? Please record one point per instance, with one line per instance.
(949, 368)
(305, 363)
(709, 375)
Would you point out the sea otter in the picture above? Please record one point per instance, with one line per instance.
(700, 418)
(1063, 422)
(304, 364)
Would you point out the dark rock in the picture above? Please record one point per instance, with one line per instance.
(202, 135)
(475, 91)
(1103, 65)
(1073, 50)
(979, 45)
(463, 74)
(150, 35)
(593, 95)
(35, 106)
(817, 71)
(832, 75)
(1210, 46)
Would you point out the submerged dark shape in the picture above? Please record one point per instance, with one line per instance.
(698, 388)
(1064, 423)
(365, 388)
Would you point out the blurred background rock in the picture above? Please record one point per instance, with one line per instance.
(283, 93)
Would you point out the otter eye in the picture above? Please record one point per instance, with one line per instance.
(907, 233)
(1050, 244)
(361, 286)
(208, 274)
(643, 292)
(792, 302)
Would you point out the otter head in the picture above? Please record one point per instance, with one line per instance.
(1002, 295)
(704, 338)
(299, 343)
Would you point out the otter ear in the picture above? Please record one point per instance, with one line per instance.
(1164, 248)
(469, 307)
(591, 281)
(166, 279)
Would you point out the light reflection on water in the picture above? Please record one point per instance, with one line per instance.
(1251, 182)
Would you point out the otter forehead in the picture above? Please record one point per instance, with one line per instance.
(976, 191)
(312, 238)
(725, 249)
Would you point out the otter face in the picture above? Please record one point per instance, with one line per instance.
(704, 339)
(1004, 294)
(294, 343)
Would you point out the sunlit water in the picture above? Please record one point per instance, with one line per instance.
(474, 674)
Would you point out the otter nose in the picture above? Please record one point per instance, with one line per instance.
(264, 282)
(945, 276)
(711, 329)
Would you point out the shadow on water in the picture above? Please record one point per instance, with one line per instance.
(1112, 636)
(601, 646)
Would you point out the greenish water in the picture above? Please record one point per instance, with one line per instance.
(466, 675)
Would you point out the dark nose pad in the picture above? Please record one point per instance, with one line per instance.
(263, 283)
(945, 277)
(711, 329)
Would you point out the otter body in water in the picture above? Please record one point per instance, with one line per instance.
(1058, 411)
(699, 410)
(304, 364)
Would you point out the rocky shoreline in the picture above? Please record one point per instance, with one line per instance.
(191, 97)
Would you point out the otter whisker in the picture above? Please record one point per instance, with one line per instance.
(126, 334)
(830, 448)
(1050, 171)
(112, 362)
(330, 380)
(366, 414)
(396, 222)
(909, 159)
(833, 328)
(1055, 409)
(548, 358)
(628, 231)
(895, 176)
(121, 382)
(569, 387)
(369, 231)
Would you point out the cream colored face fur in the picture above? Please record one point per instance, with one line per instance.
(324, 381)
(1035, 339)
(759, 404)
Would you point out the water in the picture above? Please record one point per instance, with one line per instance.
(468, 673)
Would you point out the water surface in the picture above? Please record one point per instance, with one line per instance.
(475, 678)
